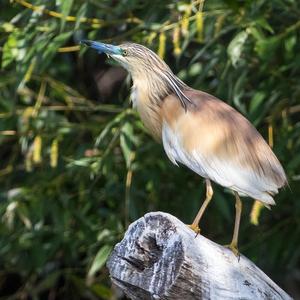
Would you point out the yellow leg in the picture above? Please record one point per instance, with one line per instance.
(209, 193)
(238, 210)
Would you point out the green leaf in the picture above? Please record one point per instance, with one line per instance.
(65, 10)
(290, 44)
(127, 143)
(256, 33)
(257, 101)
(52, 47)
(12, 49)
(102, 291)
(264, 24)
(80, 14)
(267, 47)
(110, 127)
(235, 47)
(82, 162)
(239, 91)
(264, 47)
(99, 260)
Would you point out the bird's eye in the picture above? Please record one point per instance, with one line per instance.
(125, 52)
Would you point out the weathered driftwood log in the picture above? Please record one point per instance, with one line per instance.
(160, 258)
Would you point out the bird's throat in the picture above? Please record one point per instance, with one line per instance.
(148, 107)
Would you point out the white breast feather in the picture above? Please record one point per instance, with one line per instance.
(176, 153)
(134, 96)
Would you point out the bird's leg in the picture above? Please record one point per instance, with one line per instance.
(209, 193)
(233, 246)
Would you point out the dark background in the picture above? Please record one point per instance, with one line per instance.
(76, 164)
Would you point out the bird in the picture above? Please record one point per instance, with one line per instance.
(200, 131)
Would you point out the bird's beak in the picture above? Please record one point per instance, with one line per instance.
(102, 48)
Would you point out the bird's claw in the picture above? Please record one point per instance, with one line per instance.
(195, 228)
(233, 247)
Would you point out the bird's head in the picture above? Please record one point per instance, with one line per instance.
(145, 66)
(136, 58)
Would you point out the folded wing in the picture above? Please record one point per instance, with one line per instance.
(218, 143)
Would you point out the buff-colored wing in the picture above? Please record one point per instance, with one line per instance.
(218, 143)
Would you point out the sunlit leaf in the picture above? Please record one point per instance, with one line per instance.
(12, 49)
(54, 153)
(235, 47)
(37, 149)
(99, 260)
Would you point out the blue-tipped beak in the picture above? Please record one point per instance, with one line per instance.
(102, 48)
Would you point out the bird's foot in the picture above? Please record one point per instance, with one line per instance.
(233, 247)
(195, 228)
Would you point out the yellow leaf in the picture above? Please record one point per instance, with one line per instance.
(199, 26)
(151, 37)
(255, 212)
(270, 136)
(176, 41)
(54, 154)
(162, 45)
(39, 99)
(29, 71)
(186, 20)
(27, 113)
(37, 149)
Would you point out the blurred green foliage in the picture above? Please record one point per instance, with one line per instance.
(75, 171)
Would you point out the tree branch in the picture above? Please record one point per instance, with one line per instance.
(160, 258)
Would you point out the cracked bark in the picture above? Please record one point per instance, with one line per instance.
(160, 258)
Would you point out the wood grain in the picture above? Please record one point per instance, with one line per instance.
(160, 258)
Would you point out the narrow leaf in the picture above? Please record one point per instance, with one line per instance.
(65, 10)
(99, 260)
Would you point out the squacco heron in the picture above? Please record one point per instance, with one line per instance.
(199, 131)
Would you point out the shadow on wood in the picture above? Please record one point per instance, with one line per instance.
(160, 258)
